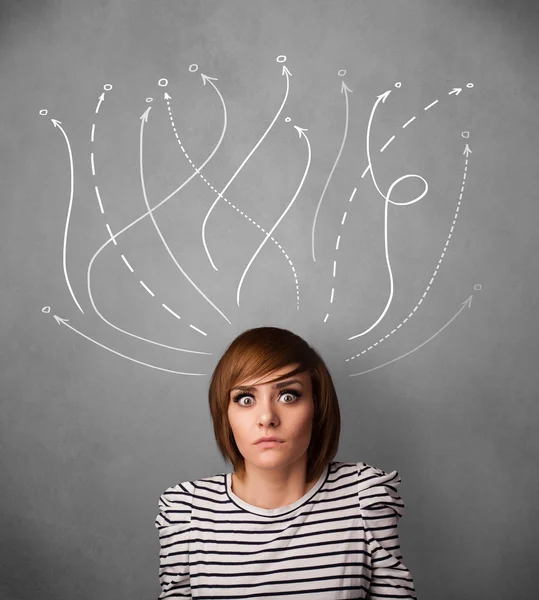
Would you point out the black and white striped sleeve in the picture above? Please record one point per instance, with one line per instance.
(381, 506)
(173, 525)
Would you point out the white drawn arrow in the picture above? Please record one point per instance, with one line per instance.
(58, 124)
(206, 78)
(101, 98)
(301, 133)
(467, 151)
(243, 213)
(467, 302)
(382, 98)
(425, 292)
(386, 197)
(117, 235)
(455, 91)
(61, 321)
(287, 73)
(144, 119)
(344, 90)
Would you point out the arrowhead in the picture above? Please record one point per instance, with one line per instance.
(384, 96)
(300, 131)
(285, 70)
(56, 123)
(60, 320)
(206, 78)
(345, 88)
(456, 91)
(144, 117)
(467, 150)
(468, 301)
(167, 97)
(102, 97)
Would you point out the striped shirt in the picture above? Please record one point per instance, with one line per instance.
(338, 541)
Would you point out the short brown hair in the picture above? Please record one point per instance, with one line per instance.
(257, 353)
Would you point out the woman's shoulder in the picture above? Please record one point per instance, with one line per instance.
(374, 485)
(377, 487)
(175, 504)
(177, 500)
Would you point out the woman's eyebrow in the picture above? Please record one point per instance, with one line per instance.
(278, 385)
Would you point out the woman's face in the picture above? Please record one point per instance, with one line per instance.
(283, 409)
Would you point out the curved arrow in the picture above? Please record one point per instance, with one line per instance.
(300, 132)
(64, 252)
(344, 90)
(287, 73)
(467, 151)
(467, 302)
(386, 197)
(243, 213)
(61, 321)
(144, 119)
(118, 234)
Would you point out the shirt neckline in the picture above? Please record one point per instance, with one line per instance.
(271, 512)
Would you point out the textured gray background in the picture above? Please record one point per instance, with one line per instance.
(89, 439)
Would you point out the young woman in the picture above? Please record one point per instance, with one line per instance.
(289, 522)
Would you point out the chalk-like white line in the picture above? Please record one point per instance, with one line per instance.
(431, 104)
(197, 329)
(101, 98)
(387, 143)
(93, 132)
(344, 89)
(171, 311)
(468, 303)
(99, 200)
(212, 188)
(408, 122)
(332, 294)
(93, 165)
(128, 265)
(197, 171)
(111, 235)
(143, 120)
(119, 233)
(365, 171)
(301, 133)
(426, 290)
(382, 98)
(146, 288)
(58, 124)
(286, 72)
(338, 241)
(63, 322)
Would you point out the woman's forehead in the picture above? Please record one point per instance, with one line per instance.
(258, 381)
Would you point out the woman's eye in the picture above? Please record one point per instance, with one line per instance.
(292, 395)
